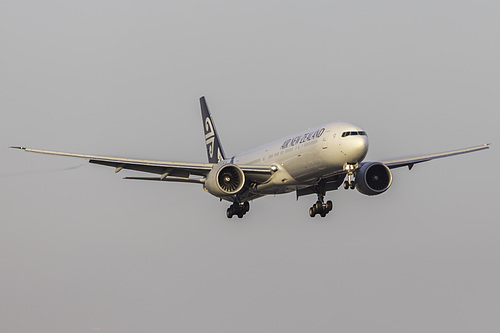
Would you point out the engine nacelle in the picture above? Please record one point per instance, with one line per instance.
(373, 178)
(225, 180)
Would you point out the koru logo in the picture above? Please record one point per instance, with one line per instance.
(210, 139)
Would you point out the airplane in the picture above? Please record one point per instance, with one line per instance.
(313, 161)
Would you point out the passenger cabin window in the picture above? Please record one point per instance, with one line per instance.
(353, 133)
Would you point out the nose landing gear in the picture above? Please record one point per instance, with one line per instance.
(350, 182)
(238, 209)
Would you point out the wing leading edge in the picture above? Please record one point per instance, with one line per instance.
(169, 171)
(334, 181)
(410, 161)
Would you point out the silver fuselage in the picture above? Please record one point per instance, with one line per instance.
(305, 157)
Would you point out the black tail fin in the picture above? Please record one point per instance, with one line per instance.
(214, 147)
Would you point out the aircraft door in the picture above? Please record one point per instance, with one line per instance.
(326, 135)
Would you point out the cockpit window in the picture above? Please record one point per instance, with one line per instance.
(353, 133)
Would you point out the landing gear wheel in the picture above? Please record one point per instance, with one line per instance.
(353, 185)
(238, 209)
(321, 208)
(346, 185)
(312, 212)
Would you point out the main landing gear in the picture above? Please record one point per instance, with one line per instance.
(320, 207)
(238, 209)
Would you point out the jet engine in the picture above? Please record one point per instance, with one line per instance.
(373, 178)
(225, 180)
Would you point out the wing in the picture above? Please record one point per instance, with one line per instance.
(169, 171)
(410, 161)
(334, 180)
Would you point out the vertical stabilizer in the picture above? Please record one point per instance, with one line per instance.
(214, 147)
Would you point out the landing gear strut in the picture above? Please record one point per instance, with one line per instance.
(320, 207)
(238, 209)
(350, 182)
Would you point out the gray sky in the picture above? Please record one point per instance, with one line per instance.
(82, 250)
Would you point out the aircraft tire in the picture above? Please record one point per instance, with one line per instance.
(312, 212)
(329, 205)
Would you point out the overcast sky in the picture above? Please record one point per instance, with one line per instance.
(82, 250)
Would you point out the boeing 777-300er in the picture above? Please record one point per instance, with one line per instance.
(313, 161)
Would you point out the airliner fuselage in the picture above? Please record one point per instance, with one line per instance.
(305, 157)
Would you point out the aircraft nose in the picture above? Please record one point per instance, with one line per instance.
(358, 148)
